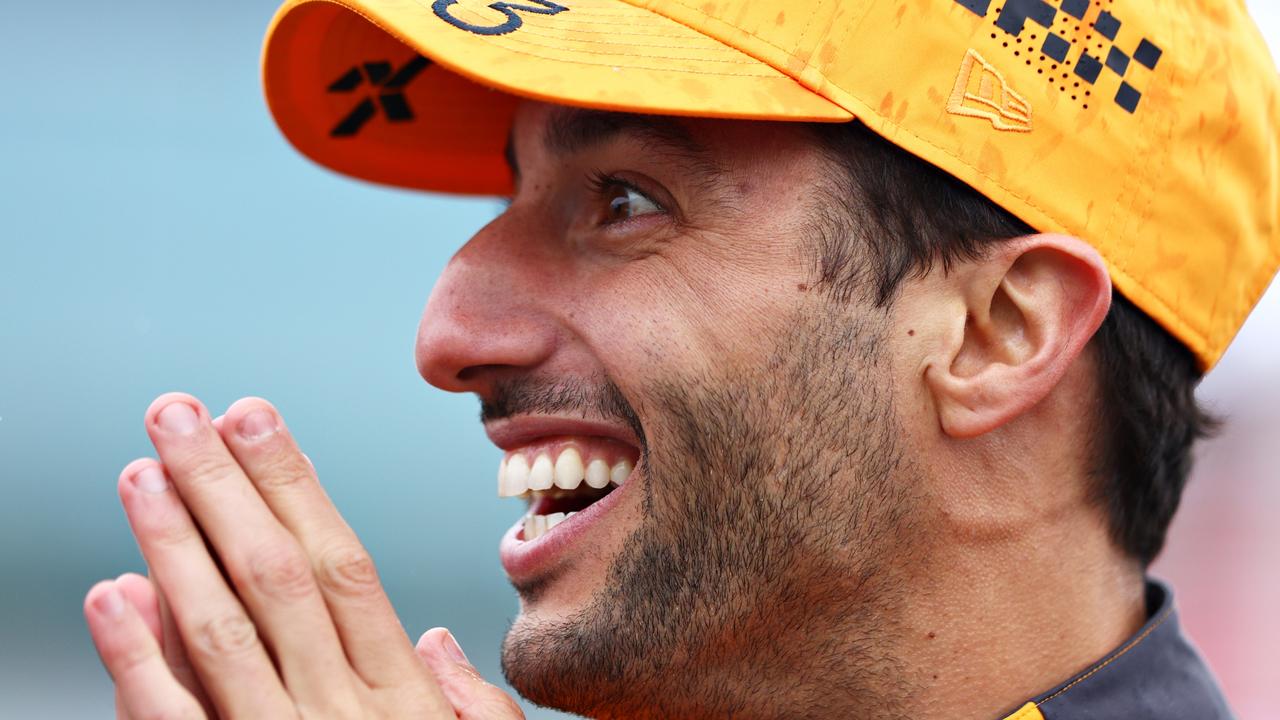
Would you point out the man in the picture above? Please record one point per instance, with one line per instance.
(832, 417)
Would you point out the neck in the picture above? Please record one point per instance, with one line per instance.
(1009, 615)
(971, 626)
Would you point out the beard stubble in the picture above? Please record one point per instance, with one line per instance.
(760, 582)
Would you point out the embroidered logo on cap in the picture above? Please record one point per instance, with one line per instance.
(511, 9)
(387, 84)
(982, 92)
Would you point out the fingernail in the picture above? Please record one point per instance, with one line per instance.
(178, 418)
(453, 650)
(110, 602)
(257, 424)
(151, 479)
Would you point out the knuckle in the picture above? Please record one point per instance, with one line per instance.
(170, 529)
(348, 571)
(201, 467)
(228, 636)
(128, 659)
(281, 573)
(282, 468)
(285, 478)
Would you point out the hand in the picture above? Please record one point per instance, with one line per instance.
(298, 627)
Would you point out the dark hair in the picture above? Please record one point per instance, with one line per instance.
(911, 216)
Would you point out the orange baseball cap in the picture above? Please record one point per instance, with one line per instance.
(1147, 127)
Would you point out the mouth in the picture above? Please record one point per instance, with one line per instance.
(570, 482)
(562, 481)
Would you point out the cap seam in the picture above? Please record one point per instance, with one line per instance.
(849, 28)
(1147, 171)
(579, 21)
(622, 54)
(721, 44)
(803, 33)
(718, 21)
(508, 43)
(646, 8)
(1125, 219)
(581, 12)
(797, 75)
(530, 30)
(778, 76)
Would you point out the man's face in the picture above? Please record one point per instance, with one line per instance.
(646, 301)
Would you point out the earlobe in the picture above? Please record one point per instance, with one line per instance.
(1030, 309)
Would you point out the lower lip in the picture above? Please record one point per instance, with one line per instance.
(525, 560)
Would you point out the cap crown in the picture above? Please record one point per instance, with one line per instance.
(1146, 127)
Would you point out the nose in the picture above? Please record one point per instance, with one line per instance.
(483, 318)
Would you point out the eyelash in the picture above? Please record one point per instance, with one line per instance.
(599, 182)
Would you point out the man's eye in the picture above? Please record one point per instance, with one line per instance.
(624, 202)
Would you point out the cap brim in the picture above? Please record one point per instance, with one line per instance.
(421, 95)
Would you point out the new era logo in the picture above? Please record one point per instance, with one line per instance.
(386, 84)
(982, 92)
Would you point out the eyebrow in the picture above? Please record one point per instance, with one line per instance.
(574, 130)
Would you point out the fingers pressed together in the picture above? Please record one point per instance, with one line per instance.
(261, 601)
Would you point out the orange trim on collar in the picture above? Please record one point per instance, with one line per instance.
(1027, 712)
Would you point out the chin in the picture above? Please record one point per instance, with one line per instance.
(568, 648)
(531, 662)
(560, 651)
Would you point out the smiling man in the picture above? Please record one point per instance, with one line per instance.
(844, 352)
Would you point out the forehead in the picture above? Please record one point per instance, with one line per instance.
(721, 145)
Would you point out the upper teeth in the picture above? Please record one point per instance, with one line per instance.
(516, 477)
(540, 474)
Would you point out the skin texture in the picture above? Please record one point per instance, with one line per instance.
(839, 509)
(856, 493)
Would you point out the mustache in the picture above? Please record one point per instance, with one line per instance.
(597, 398)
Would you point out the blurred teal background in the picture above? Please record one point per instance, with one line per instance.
(157, 233)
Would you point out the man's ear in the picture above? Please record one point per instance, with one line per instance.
(1030, 310)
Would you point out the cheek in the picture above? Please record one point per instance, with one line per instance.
(694, 315)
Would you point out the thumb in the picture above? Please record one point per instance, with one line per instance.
(472, 698)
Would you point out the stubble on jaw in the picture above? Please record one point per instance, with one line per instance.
(761, 582)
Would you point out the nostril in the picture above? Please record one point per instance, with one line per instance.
(471, 372)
